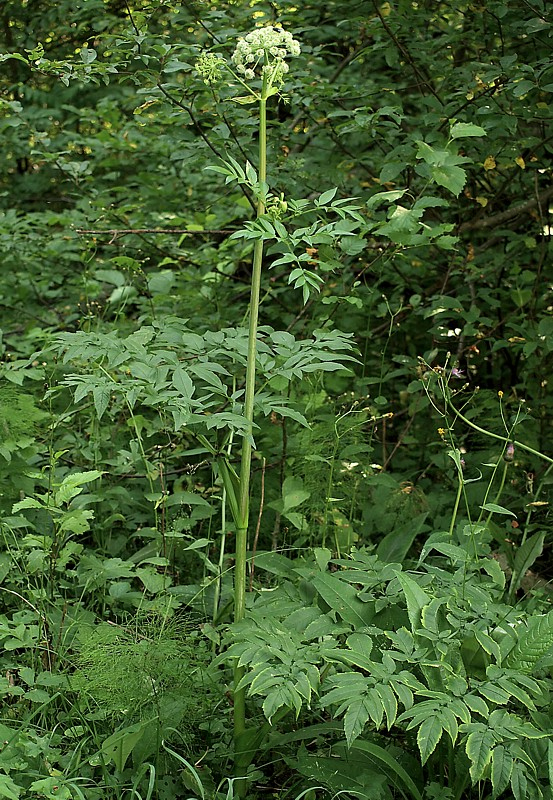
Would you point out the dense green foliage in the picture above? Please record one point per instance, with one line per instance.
(396, 638)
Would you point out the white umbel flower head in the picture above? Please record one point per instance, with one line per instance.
(264, 50)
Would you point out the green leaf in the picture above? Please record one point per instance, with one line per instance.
(495, 509)
(119, 745)
(342, 598)
(502, 767)
(396, 544)
(525, 556)
(326, 197)
(479, 750)
(428, 736)
(534, 642)
(450, 177)
(231, 482)
(355, 719)
(402, 781)
(101, 395)
(415, 597)
(183, 383)
(461, 129)
(519, 781)
(72, 485)
(51, 789)
(8, 788)
(28, 502)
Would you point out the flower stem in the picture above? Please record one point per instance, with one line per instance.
(242, 756)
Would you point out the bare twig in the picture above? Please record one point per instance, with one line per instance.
(423, 80)
(127, 231)
(504, 216)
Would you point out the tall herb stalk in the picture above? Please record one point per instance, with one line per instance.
(242, 524)
(260, 54)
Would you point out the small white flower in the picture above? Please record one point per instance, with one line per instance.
(265, 49)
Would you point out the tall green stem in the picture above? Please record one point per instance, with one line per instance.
(241, 755)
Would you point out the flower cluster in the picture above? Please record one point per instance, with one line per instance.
(265, 47)
(210, 67)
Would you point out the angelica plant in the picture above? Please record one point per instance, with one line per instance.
(260, 56)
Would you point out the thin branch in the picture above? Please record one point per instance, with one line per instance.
(424, 81)
(505, 216)
(126, 231)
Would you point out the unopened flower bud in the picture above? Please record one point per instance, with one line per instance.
(509, 453)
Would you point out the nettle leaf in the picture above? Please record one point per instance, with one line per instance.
(73, 484)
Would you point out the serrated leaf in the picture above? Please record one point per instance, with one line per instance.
(488, 645)
(449, 724)
(27, 502)
(374, 706)
(389, 703)
(534, 642)
(519, 781)
(101, 396)
(479, 750)
(355, 719)
(73, 484)
(450, 177)
(428, 736)
(477, 704)
(284, 696)
(415, 597)
(502, 767)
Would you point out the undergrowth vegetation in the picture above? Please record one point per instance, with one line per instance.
(275, 454)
